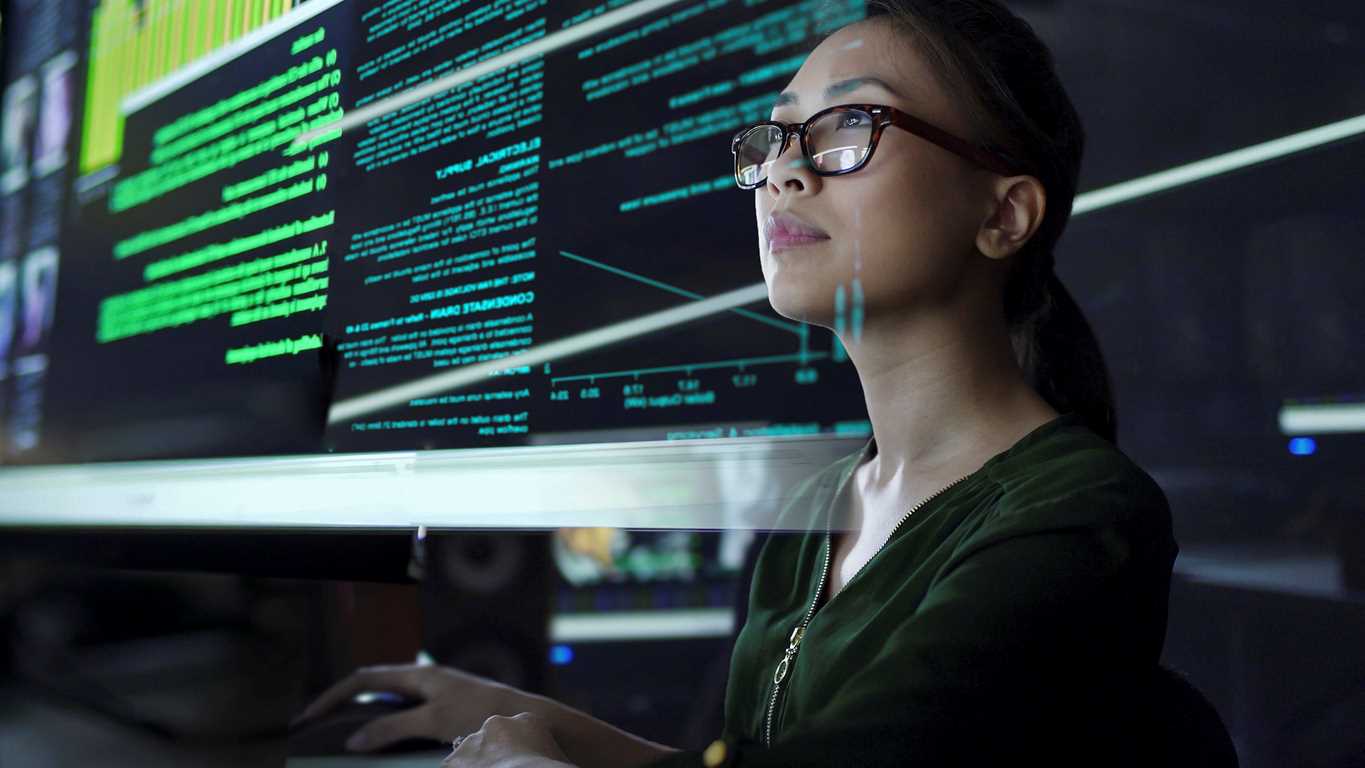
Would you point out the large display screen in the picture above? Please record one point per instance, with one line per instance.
(222, 261)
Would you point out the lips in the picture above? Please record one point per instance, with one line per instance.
(784, 229)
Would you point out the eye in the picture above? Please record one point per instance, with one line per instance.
(853, 120)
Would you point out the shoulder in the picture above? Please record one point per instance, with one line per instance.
(1076, 481)
(1074, 469)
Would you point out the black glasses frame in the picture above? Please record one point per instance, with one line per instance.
(882, 116)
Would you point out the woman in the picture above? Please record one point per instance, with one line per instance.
(1008, 568)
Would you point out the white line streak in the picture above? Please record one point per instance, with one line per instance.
(362, 115)
(642, 625)
(1318, 419)
(1224, 163)
(345, 410)
(720, 483)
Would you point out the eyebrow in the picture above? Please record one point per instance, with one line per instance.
(838, 88)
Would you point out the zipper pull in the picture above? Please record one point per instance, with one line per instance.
(785, 663)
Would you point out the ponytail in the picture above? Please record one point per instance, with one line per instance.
(1062, 361)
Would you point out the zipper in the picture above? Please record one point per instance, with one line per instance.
(784, 666)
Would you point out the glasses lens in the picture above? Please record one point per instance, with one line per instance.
(757, 150)
(839, 140)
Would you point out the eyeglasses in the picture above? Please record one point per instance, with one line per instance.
(841, 140)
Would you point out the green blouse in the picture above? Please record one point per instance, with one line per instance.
(1011, 616)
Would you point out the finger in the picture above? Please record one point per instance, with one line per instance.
(404, 680)
(383, 731)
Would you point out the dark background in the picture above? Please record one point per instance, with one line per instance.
(1214, 303)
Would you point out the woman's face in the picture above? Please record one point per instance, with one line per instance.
(905, 224)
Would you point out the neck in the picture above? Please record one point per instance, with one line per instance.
(942, 391)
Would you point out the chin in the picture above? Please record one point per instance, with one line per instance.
(801, 301)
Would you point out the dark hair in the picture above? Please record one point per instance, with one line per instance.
(1018, 106)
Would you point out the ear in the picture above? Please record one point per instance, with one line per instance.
(1015, 212)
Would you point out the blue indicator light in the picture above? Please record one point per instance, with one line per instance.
(1302, 446)
(560, 655)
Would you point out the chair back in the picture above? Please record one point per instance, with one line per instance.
(1185, 727)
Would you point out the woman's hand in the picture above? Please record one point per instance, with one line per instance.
(520, 741)
(454, 703)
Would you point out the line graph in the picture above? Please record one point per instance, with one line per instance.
(797, 328)
(803, 356)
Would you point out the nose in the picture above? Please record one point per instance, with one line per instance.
(790, 174)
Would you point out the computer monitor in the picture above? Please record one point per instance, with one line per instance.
(266, 236)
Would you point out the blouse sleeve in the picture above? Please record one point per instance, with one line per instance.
(1029, 643)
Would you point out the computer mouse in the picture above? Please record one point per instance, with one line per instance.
(326, 734)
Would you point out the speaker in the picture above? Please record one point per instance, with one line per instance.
(486, 605)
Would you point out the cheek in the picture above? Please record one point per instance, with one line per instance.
(903, 239)
(881, 225)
